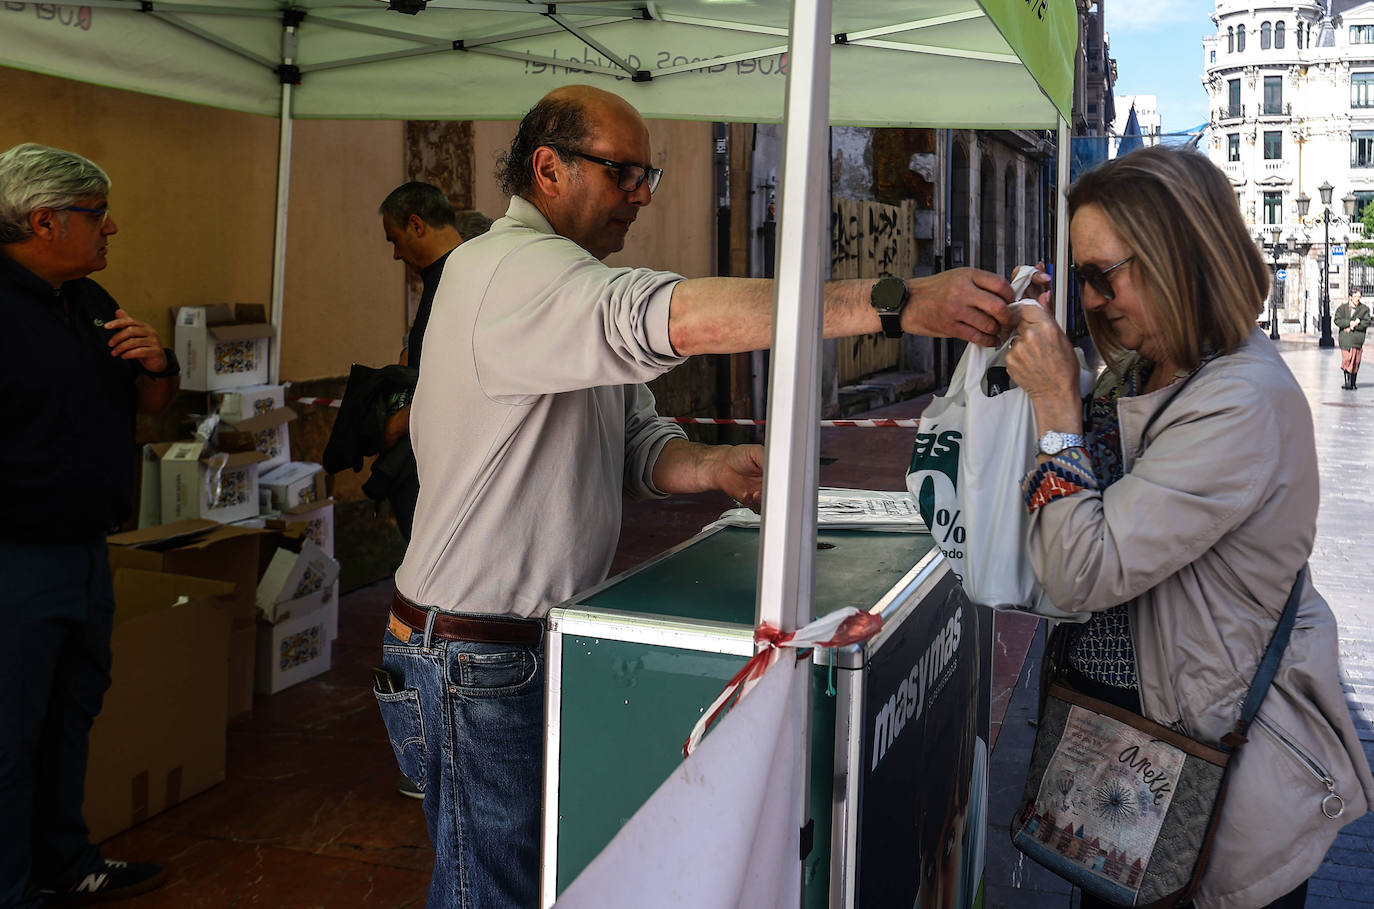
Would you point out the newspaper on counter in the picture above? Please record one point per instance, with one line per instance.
(848, 509)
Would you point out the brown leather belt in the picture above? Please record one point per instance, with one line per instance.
(453, 627)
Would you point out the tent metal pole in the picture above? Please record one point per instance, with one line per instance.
(1063, 152)
(788, 536)
(787, 544)
(285, 125)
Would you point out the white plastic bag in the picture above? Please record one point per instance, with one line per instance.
(972, 450)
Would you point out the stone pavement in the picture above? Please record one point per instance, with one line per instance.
(1341, 568)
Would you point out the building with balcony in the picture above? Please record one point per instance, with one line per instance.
(1291, 99)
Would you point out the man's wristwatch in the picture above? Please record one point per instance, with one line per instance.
(173, 368)
(888, 297)
(1054, 441)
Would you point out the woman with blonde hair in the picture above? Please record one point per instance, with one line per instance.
(1352, 318)
(1178, 507)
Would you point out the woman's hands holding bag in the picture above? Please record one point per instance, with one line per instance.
(1042, 361)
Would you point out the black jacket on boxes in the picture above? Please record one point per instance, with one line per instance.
(373, 395)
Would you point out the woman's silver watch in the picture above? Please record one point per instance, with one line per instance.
(1054, 441)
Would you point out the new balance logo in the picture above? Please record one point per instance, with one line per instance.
(91, 883)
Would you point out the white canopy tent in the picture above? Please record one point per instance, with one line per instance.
(935, 63)
(928, 63)
(952, 63)
(948, 63)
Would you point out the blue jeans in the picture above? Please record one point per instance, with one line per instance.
(56, 613)
(466, 721)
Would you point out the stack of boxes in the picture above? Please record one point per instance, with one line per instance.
(220, 347)
(297, 602)
(298, 596)
(238, 470)
(232, 563)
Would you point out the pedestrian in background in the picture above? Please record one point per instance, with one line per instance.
(420, 224)
(1352, 318)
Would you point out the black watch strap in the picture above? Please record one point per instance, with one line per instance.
(889, 296)
(173, 367)
(892, 324)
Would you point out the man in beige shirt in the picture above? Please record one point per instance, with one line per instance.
(530, 421)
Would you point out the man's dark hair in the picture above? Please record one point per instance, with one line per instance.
(559, 123)
(471, 223)
(414, 198)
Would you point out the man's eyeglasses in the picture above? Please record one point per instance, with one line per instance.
(1097, 279)
(102, 212)
(629, 177)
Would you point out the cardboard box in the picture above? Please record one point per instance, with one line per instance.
(250, 401)
(222, 346)
(267, 433)
(331, 605)
(315, 522)
(206, 549)
(160, 735)
(243, 663)
(291, 576)
(294, 648)
(222, 487)
(291, 485)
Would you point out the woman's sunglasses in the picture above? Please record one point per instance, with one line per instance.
(1097, 279)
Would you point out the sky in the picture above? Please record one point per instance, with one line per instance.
(1157, 45)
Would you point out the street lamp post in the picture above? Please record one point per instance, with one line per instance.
(1348, 201)
(1302, 248)
(1278, 250)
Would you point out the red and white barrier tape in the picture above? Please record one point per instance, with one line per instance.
(838, 629)
(706, 421)
(862, 424)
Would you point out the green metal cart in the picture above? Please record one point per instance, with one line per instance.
(900, 722)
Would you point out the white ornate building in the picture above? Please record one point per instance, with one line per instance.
(1291, 91)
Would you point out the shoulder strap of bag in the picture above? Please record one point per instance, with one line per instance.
(1178, 389)
(1268, 666)
(1273, 654)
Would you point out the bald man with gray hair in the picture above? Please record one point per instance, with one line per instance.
(529, 430)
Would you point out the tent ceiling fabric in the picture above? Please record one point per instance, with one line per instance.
(949, 63)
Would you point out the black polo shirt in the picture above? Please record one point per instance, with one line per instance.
(67, 461)
(429, 278)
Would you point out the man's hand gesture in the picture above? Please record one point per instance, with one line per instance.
(135, 340)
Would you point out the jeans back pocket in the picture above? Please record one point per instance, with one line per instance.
(405, 726)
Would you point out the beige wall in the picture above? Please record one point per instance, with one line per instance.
(345, 296)
(194, 196)
(677, 232)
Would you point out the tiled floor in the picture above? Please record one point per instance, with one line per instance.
(309, 816)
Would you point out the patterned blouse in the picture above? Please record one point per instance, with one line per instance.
(1100, 648)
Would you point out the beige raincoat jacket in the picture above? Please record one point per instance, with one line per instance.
(1206, 533)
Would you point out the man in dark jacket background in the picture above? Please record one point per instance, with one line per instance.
(76, 368)
(422, 228)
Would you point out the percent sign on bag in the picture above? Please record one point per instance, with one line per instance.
(933, 478)
(949, 526)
